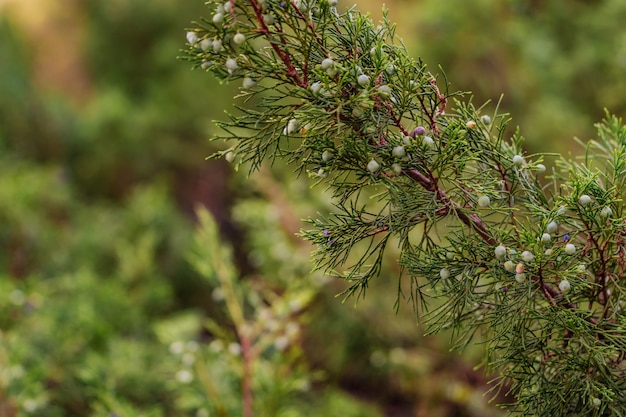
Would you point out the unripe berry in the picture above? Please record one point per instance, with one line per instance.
(217, 46)
(269, 19)
(231, 65)
(584, 200)
(509, 266)
(327, 155)
(484, 201)
(561, 211)
(218, 18)
(500, 251)
(546, 238)
(486, 119)
(429, 142)
(606, 212)
(363, 80)
(527, 256)
(333, 3)
(470, 124)
(552, 227)
(206, 44)
(322, 173)
(227, 7)
(230, 156)
(248, 83)
(518, 160)
(596, 402)
(520, 277)
(384, 90)
(327, 63)
(564, 285)
(390, 69)
(548, 252)
(418, 131)
(570, 249)
(397, 168)
(541, 168)
(398, 152)
(316, 87)
(239, 38)
(581, 268)
(192, 38)
(373, 166)
(444, 273)
(292, 126)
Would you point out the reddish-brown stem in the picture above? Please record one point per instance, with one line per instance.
(246, 378)
(284, 56)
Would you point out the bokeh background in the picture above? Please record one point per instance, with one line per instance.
(109, 308)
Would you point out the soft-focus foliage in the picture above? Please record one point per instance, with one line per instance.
(103, 136)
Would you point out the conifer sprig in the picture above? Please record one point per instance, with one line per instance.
(534, 264)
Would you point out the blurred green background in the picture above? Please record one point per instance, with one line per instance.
(108, 308)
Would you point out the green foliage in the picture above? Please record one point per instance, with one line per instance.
(532, 264)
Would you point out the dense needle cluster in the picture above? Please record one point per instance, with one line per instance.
(534, 264)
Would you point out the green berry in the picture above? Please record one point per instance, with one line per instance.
(518, 160)
(327, 155)
(527, 256)
(564, 285)
(606, 212)
(584, 200)
(546, 238)
(218, 18)
(398, 152)
(373, 166)
(484, 201)
(552, 227)
(509, 266)
(239, 38)
(363, 80)
(570, 249)
(444, 273)
(500, 251)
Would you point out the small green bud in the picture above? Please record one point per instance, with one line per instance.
(398, 152)
(192, 38)
(218, 18)
(373, 166)
(552, 227)
(584, 200)
(239, 38)
(327, 63)
(363, 80)
(527, 256)
(500, 251)
(248, 83)
(509, 266)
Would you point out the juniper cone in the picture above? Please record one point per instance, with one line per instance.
(491, 247)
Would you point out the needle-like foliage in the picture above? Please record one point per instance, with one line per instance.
(531, 265)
